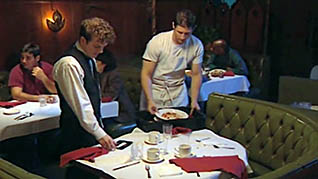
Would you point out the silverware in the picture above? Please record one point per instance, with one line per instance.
(147, 167)
(23, 116)
(126, 165)
(202, 139)
(219, 147)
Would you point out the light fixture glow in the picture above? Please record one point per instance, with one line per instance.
(56, 23)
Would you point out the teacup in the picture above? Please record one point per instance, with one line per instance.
(154, 137)
(153, 154)
(184, 150)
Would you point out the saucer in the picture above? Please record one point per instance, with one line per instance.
(190, 156)
(11, 111)
(153, 161)
(151, 143)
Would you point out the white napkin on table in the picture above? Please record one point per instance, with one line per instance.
(165, 170)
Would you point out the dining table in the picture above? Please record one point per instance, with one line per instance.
(204, 143)
(42, 119)
(223, 85)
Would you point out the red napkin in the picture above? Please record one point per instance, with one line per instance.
(7, 104)
(88, 153)
(107, 99)
(228, 73)
(180, 130)
(230, 164)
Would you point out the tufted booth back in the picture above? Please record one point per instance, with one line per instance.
(278, 140)
(131, 77)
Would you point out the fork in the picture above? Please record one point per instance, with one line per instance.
(147, 167)
(219, 147)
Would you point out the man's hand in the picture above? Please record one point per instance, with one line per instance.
(151, 107)
(107, 142)
(195, 105)
(38, 73)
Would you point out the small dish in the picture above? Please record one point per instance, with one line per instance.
(161, 159)
(151, 143)
(190, 156)
(11, 111)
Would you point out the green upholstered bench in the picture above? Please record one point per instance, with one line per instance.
(10, 171)
(279, 141)
(130, 74)
(297, 89)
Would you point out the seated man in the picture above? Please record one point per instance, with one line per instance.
(224, 57)
(112, 86)
(32, 77)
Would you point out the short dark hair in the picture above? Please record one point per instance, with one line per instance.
(31, 48)
(108, 58)
(185, 18)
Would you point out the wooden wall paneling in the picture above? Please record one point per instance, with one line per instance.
(223, 21)
(255, 29)
(207, 15)
(53, 44)
(167, 9)
(238, 23)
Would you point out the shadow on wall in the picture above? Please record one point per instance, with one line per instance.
(12, 60)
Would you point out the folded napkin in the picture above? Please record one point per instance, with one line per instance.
(230, 164)
(228, 73)
(180, 130)
(107, 99)
(7, 104)
(166, 170)
(88, 153)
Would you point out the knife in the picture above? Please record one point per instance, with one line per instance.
(126, 165)
(23, 116)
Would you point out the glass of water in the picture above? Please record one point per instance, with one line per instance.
(167, 134)
(136, 150)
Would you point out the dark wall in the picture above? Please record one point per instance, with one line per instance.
(24, 21)
(292, 39)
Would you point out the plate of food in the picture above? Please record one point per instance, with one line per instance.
(171, 114)
(11, 111)
(216, 72)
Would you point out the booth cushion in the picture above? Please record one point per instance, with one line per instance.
(11, 171)
(278, 140)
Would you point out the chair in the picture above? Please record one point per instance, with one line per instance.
(314, 73)
(280, 142)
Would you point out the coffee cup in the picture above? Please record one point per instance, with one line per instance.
(184, 150)
(154, 137)
(153, 154)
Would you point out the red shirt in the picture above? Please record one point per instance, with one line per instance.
(21, 77)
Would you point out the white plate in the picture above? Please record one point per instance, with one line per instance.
(190, 156)
(314, 107)
(179, 114)
(153, 161)
(215, 71)
(11, 111)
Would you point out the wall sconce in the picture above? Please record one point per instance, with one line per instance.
(57, 23)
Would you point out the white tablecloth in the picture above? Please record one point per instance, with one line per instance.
(225, 85)
(107, 162)
(44, 118)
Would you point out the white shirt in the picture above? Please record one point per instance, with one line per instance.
(69, 75)
(168, 88)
